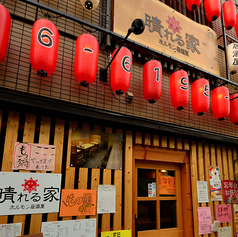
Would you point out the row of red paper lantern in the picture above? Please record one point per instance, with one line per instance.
(213, 11)
(43, 57)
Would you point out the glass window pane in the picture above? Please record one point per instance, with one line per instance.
(146, 183)
(146, 211)
(166, 183)
(168, 214)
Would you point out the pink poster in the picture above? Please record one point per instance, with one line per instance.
(204, 220)
(32, 156)
(230, 191)
(223, 213)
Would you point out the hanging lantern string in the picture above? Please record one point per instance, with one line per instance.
(48, 15)
(88, 30)
(116, 97)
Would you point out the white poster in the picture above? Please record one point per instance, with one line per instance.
(225, 232)
(106, 199)
(202, 191)
(29, 193)
(10, 230)
(73, 228)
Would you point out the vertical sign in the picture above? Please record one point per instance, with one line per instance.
(230, 191)
(215, 183)
(202, 191)
(204, 220)
(106, 199)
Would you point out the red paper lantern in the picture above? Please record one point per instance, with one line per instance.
(86, 59)
(179, 89)
(193, 4)
(152, 81)
(200, 95)
(212, 9)
(236, 25)
(229, 12)
(44, 47)
(121, 70)
(234, 108)
(220, 102)
(5, 27)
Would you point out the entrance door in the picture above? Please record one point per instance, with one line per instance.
(158, 199)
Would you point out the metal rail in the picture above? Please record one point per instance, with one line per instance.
(166, 57)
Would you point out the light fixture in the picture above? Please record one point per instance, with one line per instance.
(232, 57)
(89, 4)
(220, 101)
(212, 9)
(200, 96)
(5, 19)
(44, 47)
(152, 81)
(86, 59)
(179, 89)
(129, 96)
(137, 27)
(234, 108)
(193, 4)
(229, 12)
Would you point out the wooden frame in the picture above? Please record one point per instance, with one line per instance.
(174, 156)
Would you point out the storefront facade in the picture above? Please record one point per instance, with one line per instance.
(156, 137)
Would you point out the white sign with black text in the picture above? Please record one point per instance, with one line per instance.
(29, 193)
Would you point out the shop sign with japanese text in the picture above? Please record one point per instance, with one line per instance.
(169, 32)
(29, 193)
(230, 191)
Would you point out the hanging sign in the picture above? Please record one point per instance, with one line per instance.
(204, 220)
(77, 202)
(32, 156)
(215, 183)
(119, 233)
(169, 32)
(29, 193)
(223, 213)
(230, 191)
(202, 191)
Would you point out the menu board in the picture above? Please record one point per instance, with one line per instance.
(72, 228)
(204, 220)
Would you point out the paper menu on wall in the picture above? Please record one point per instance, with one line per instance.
(204, 220)
(106, 199)
(225, 232)
(10, 230)
(72, 228)
(202, 191)
(223, 213)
